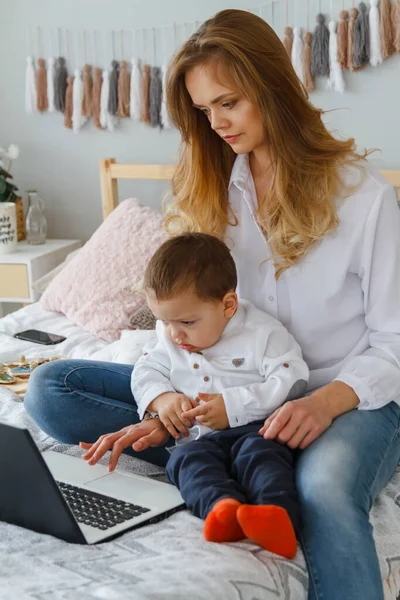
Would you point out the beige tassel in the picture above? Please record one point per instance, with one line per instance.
(396, 25)
(308, 79)
(42, 103)
(350, 39)
(145, 110)
(96, 97)
(69, 102)
(342, 39)
(386, 30)
(87, 91)
(124, 91)
(288, 41)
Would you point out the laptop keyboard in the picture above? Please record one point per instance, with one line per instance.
(102, 512)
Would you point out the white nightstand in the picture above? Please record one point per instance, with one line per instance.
(21, 268)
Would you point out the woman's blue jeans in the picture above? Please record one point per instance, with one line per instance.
(338, 476)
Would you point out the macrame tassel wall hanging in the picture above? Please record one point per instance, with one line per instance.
(396, 25)
(297, 53)
(320, 48)
(107, 121)
(124, 91)
(124, 85)
(165, 122)
(145, 115)
(342, 38)
(308, 78)
(68, 101)
(336, 80)
(361, 37)
(41, 86)
(78, 120)
(87, 98)
(113, 95)
(136, 90)
(96, 97)
(386, 30)
(50, 83)
(375, 58)
(288, 40)
(155, 97)
(30, 86)
(288, 33)
(60, 84)
(350, 43)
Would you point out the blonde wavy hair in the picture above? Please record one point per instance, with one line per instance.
(299, 207)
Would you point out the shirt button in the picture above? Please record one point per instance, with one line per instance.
(206, 378)
(271, 298)
(195, 366)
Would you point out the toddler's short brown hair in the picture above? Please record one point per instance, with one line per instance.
(191, 260)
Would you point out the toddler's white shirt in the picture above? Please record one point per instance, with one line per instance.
(256, 365)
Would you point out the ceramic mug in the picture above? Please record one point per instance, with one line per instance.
(8, 227)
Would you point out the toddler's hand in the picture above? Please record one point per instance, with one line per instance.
(170, 407)
(211, 413)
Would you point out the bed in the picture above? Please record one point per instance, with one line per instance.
(169, 559)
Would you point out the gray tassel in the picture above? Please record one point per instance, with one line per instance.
(361, 38)
(113, 95)
(155, 97)
(60, 84)
(320, 48)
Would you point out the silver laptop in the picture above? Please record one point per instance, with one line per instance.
(64, 496)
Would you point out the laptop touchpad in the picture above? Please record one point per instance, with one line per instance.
(138, 490)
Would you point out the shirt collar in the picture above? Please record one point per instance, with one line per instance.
(240, 172)
(235, 323)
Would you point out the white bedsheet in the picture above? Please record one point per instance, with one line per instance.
(79, 343)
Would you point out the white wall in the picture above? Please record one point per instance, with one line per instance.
(64, 166)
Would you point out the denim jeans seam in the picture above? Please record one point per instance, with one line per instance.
(312, 579)
(396, 434)
(102, 402)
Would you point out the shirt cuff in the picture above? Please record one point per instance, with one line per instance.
(364, 393)
(234, 408)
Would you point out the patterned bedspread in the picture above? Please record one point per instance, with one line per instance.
(168, 560)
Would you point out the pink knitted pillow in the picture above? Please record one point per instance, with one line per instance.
(94, 288)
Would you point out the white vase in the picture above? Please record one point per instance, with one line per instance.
(8, 227)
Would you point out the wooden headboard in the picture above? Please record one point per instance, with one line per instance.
(111, 171)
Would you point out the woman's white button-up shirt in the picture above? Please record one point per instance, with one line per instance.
(341, 302)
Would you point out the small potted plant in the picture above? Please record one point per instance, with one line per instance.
(8, 190)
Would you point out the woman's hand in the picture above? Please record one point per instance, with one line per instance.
(299, 422)
(140, 436)
(211, 412)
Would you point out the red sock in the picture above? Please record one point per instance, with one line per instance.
(221, 523)
(270, 527)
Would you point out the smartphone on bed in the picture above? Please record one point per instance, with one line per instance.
(40, 337)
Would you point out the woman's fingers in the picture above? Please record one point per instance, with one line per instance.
(105, 444)
(85, 445)
(93, 447)
(310, 437)
(279, 421)
(295, 440)
(154, 438)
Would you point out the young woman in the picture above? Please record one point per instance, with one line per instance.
(315, 234)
